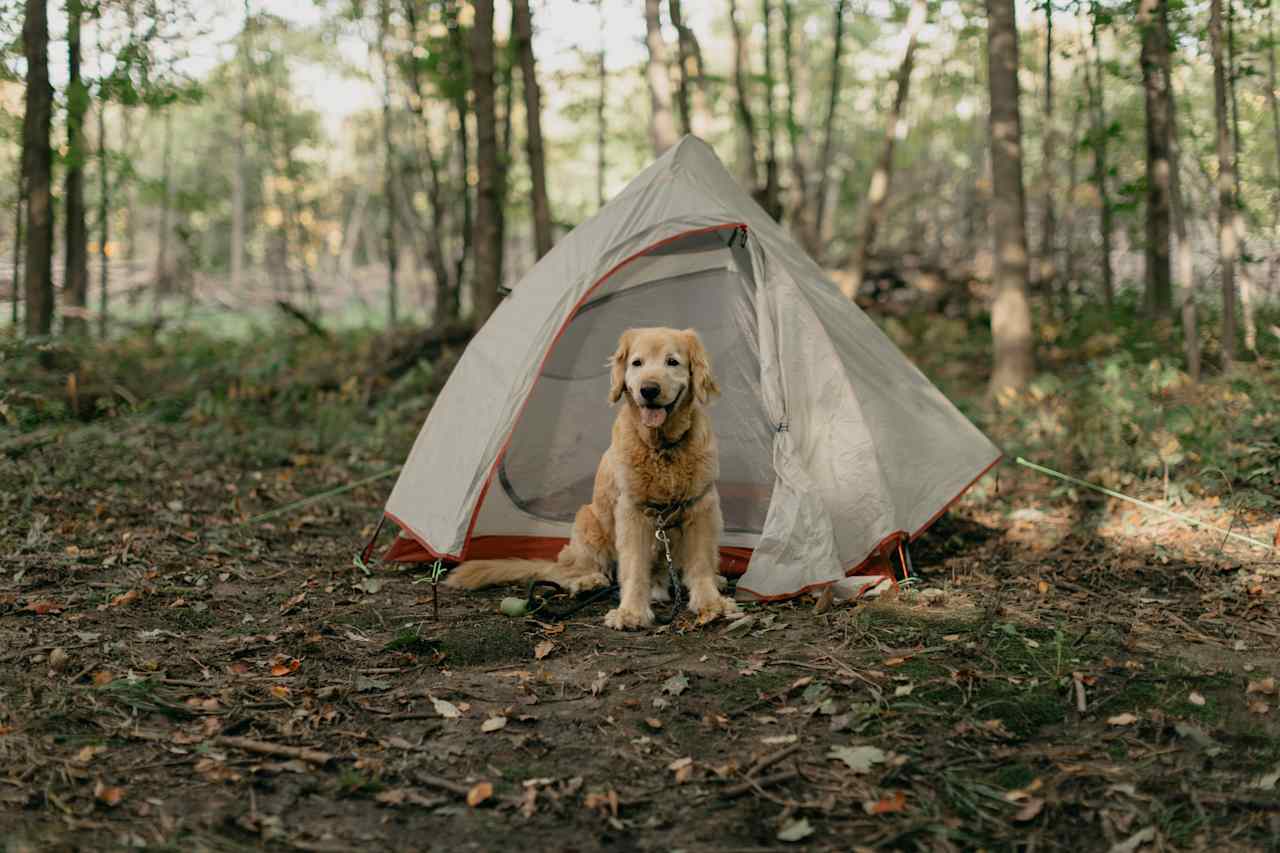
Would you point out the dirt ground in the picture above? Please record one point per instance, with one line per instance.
(1061, 676)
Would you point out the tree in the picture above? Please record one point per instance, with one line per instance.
(389, 177)
(691, 96)
(75, 286)
(523, 24)
(1248, 320)
(662, 126)
(1155, 62)
(104, 217)
(1225, 186)
(818, 235)
(238, 173)
(1047, 273)
(602, 103)
(1184, 267)
(1098, 138)
(1014, 358)
(746, 121)
(801, 223)
(767, 195)
(37, 125)
(877, 196)
(489, 180)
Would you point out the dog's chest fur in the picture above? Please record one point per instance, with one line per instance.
(656, 475)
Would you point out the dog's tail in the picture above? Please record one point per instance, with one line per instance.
(475, 574)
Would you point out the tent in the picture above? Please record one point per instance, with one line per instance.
(834, 447)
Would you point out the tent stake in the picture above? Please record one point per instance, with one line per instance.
(1186, 519)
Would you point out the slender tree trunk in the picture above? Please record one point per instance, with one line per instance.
(662, 125)
(1247, 319)
(1073, 184)
(692, 94)
(1155, 62)
(768, 194)
(1226, 188)
(163, 283)
(602, 103)
(801, 221)
(1184, 268)
(877, 197)
(746, 122)
(1273, 102)
(104, 219)
(75, 284)
(37, 124)
(533, 137)
(389, 177)
(237, 176)
(1098, 111)
(458, 50)
(1047, 274)
(488, 236)
(1014, 357)
(818, 235)
(19, 204)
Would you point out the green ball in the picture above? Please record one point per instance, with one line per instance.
(514, 606)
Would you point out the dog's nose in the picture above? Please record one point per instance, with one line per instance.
(649, 390)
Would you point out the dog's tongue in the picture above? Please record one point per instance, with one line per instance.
(653, 418)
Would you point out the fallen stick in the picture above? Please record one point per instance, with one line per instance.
(752, 784)
(772, 759)
(263, 748)
(443, 784)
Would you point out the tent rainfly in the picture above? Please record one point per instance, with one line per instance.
(834, 448)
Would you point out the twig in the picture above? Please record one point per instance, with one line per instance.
(754, 784)
(1186, 519)
(772, 759)
(323, 495)
(442, 784)
(263, 748)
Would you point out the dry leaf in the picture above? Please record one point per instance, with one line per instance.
(479, 792)
(1257, 706)
(446, 709)
(280, 691)
(87, 753)
(795, 830)
(676, 684)
(683, 768)
(127, 598)
(543, 649)
(859, 759)
(1195, 698)
(1029, 810)
(607, 801)
(1266, 686)
(1125, 719)
(1043, 587)
(42, 608)
(285, 666)
(391, 797)
(653, 723)
(895, 802)
(102, 678)
(825, 598)
(109, 796)
(493, 724)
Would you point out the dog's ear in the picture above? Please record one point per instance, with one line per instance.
(704, 384)
(618, 367)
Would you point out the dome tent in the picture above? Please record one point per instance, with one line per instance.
(834, 448)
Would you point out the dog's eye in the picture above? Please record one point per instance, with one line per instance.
(635, 362)
(672, 362)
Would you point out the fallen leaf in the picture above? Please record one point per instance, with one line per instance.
(895, 802)
(391, 797)
(109, 796)
(369, 585)
(446, 709)
(676, 684)
(653, 723)
(1266, 686)
(543, 649)
(126, 598)
(778, 740)
(603, 802)
(903, 690)
(479, 792)
(597, 686)
(1267, 781)
(42, 608)
(280, 691)
(825, 598)
(1195, 698)
(493, 724)
(795, 830)
(1125, 719)
(87, 753)
(1029, 810)
(1257, 706)
(285, 666)
(293, 602)
(1042, 587)
(683, 768)
(859, 759)
(102, 678)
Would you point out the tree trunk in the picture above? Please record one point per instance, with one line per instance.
(1014, 358)
(458, 50)
(1184, 267)
(162, 283)
(533, 137)
(877, 197)
(488, 236)
(692, 94)
(662, 126)
(237, 176)
(1226, 188)
(1273, 102)
(801, 222)
(767, 195)
(602, 102)
(1073, 184)
(388, 168)
(1098, 112)
(1155, 63)
(37, 124)
(1247, 319)
(1047, 274)
(18, 209)
(818, 235)
(75, 283)
(746, 123)
(104, 218)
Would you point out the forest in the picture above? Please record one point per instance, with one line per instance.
(243, 246)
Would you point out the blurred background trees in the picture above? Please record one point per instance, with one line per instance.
(402, 161)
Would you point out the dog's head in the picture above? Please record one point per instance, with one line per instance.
(659, 371)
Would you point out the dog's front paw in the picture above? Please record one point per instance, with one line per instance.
(622, 618)
(586, 582)
(713, 608)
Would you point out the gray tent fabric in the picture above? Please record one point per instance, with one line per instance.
(833, 445)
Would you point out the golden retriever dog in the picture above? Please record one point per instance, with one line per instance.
(660, 471)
